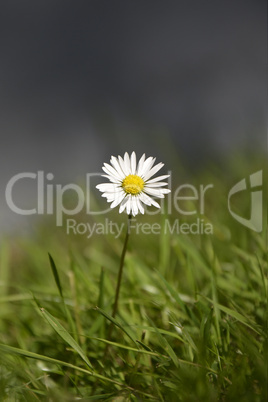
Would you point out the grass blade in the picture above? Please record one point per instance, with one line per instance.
(31, 355)
(172, 292)
(61, 331)
(55, 274)
(232, 313)
(165, 345)
(116, 323)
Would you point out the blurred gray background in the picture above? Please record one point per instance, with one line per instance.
(83, 80)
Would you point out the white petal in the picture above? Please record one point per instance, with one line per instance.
(148, 200)
(145, 199)
(154, 192)
(117, 167)
(135, 209)
(109, 197)
(147, 166)
(124, 203)
(111, 171)
(127, 163)
(164, 190)
(153, 171)
(112, 195)
(122, 165)
(129, 206)
(108, 187)
(140, 165)
(122, 207)
(133, 163)
(112, 179)
(153, 185)
(115, 191)
(139, 205)
(157, 192)
(158, 178)
(118, 199)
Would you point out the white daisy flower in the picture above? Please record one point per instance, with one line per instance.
(131, 185)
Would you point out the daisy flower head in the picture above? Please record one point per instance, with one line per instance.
(131, 184)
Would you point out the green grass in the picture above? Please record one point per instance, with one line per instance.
(191, 324)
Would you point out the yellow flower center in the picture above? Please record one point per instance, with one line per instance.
(133, 184)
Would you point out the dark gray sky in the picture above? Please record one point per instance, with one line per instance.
(83, 80)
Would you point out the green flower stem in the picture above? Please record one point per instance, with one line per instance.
(120, 272)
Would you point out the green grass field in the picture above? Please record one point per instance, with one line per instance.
(192, 317)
